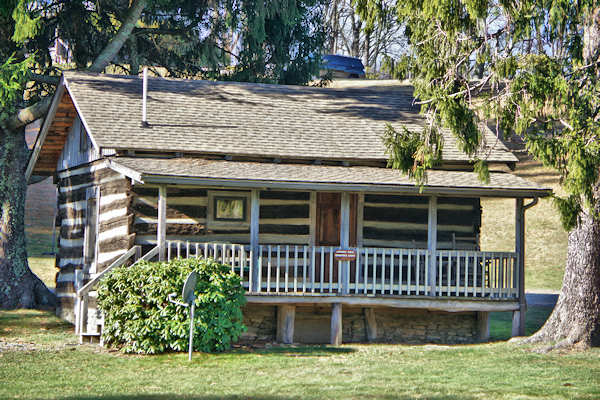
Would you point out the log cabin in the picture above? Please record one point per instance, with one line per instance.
(288, 186)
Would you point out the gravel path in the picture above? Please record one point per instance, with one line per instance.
(542, 299)
(16, 346)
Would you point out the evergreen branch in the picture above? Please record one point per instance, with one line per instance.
(226, 51)
(113, 47)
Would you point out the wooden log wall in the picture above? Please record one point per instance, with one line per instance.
(186, 217)
(114, 236)
(284, 217)
(389, 220)
(401, 221)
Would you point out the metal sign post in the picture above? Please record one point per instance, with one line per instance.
(188, 297)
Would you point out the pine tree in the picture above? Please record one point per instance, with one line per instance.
(539, 68)
(281, 42)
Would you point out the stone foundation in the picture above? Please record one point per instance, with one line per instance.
(261, 322)
(313, 325)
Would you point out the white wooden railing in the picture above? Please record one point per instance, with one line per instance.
(83, 290)
(305, 270)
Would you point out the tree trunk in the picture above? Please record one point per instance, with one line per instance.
(575, 319)
(115, 45)
(19, 287)
(335, 28)
(134, 61)
(356, 25)
(367, 51)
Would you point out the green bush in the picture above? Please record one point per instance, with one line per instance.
(138, 317)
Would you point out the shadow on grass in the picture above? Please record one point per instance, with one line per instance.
(296, 351)
(501, 322)
(173, 396)
(24, 317)
(20, 321)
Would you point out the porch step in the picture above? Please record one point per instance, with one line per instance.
(91, 334)
(90, 337)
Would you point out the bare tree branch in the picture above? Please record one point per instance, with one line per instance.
(47, 79)
(28, 115)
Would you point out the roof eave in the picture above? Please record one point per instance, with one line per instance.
(458, 162)
(61, 90)
(343, 187)
(41, 138)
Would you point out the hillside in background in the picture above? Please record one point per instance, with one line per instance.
(40, 208)
(545, 238)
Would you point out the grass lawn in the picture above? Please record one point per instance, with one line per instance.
(50, 366)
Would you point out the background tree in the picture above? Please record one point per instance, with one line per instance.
(363, 29)
(276, 42)
(539, 68)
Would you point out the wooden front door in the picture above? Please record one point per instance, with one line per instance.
(327, 232)
(329, 207)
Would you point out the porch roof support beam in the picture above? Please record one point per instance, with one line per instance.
(161, 232)
(254, 227)
(313, 218)
(518, 327)
(432, 243)
(345, 238)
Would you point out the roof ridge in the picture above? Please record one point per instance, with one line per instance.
(347, 89)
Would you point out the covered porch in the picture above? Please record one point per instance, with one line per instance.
(334, 236)
(443, 280)
(350, 274)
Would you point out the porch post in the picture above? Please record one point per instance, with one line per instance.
(432, 243)
(254, 225)
(286, 315)
(336, 324)
(483, 326)
(345, 238)
(360, 216)
(518, 325)
(313, 219)
(370, 324)
(161, 233)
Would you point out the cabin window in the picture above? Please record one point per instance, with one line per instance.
(228, 208)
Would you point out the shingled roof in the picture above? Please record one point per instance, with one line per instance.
(248, 119)
(186, 170)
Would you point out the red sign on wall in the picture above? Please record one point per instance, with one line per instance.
(345, 255)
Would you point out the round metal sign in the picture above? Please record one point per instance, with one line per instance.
(188, 288)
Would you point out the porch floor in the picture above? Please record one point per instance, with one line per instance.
(448, 304)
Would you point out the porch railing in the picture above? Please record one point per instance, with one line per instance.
(83, 290)
(306, 270)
